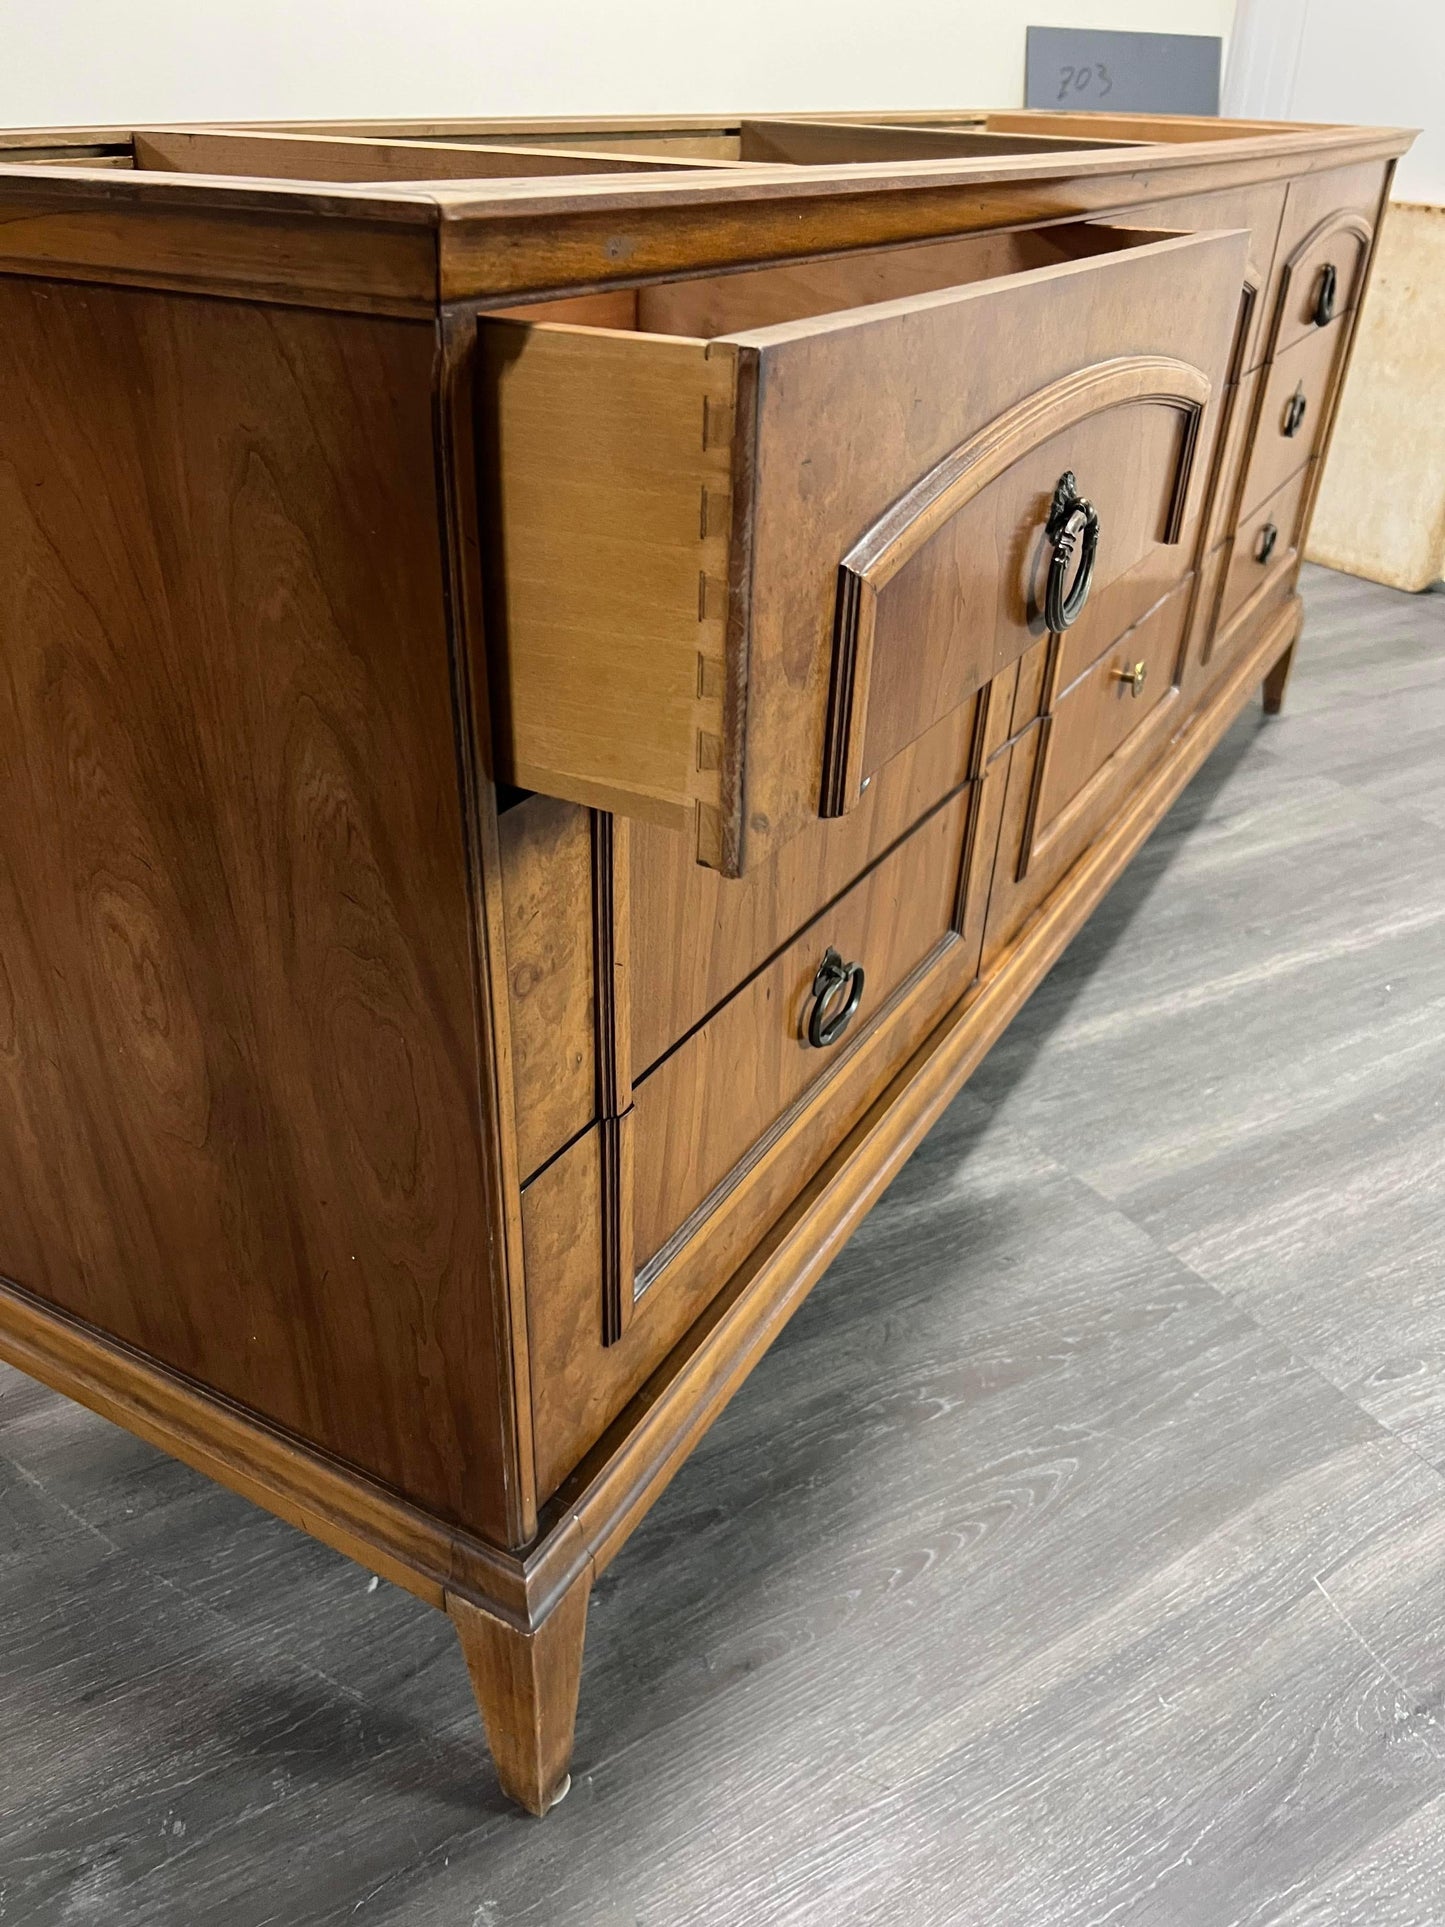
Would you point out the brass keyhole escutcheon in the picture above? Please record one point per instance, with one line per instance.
(1132, 675)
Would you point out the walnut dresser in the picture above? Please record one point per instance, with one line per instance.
(561, 683)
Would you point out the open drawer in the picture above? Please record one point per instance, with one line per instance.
(731, 572)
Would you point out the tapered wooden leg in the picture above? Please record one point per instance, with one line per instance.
(526, 1686)
(1274, 682)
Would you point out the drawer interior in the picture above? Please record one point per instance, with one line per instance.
(705, 306)
(746, 298)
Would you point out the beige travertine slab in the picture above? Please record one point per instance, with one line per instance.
(1381, 508)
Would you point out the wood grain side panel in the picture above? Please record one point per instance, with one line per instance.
(241, 1124)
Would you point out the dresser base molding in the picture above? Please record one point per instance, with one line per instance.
(520, 1616)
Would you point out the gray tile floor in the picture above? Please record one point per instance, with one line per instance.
(1077, 1556)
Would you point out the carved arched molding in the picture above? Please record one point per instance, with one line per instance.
(1344, 221)
(899, 534)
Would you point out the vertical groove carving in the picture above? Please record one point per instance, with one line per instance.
(612, 1042)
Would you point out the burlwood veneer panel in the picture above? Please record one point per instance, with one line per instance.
(241, 1127)
(685, 1140)
(698, 934)
(546, 854)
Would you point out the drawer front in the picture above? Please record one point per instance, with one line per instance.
(729, 579)
(1066, 773)
(1298, 388)
(929, 618)
(781, 1108)
(696, 935)
(1265, 546)
(1324, 248)
(1091, 721)
(718, 1095)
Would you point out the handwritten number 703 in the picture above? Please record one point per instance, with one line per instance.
(1078, 80)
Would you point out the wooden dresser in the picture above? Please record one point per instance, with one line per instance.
(561, 684)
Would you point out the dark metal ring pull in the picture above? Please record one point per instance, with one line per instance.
(1264, 548)
(1294, 411)
(1325, 300)
(1070, 519)
(837, 993)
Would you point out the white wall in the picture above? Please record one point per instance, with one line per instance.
(1377, 61)
(72, 62)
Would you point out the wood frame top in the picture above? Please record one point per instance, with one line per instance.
(605, 201)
